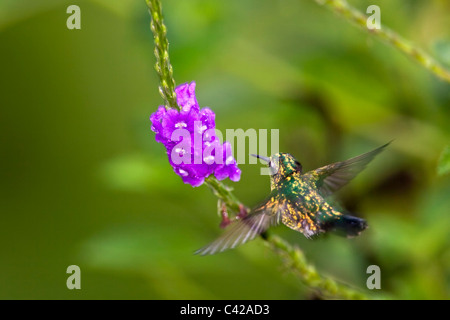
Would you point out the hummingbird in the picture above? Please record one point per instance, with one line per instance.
(299, 201)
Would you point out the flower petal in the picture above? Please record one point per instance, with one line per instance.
(186, 97)
(156, 127)
(207, 117)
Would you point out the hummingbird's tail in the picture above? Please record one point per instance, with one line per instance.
(348, 226)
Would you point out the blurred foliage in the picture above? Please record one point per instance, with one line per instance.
(444, 161)
(84, 182)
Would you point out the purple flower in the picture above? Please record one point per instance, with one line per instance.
(192, 146)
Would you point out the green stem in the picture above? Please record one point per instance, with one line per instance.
(162, 66)
(296, 261)
(353, 15)
(223, 193)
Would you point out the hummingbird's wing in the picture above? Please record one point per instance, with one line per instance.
(256, 222)
(332, 177)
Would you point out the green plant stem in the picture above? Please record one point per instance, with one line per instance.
(296, 261)
(353, 15)
(293, 257)
(224, 193)
(162, 66)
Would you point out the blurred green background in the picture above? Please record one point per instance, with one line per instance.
(84, 182)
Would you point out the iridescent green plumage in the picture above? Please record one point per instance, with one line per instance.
(299, 201)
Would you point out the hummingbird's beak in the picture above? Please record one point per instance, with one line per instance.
(261, 157)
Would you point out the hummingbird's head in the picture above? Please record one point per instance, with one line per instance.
(281, 165)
